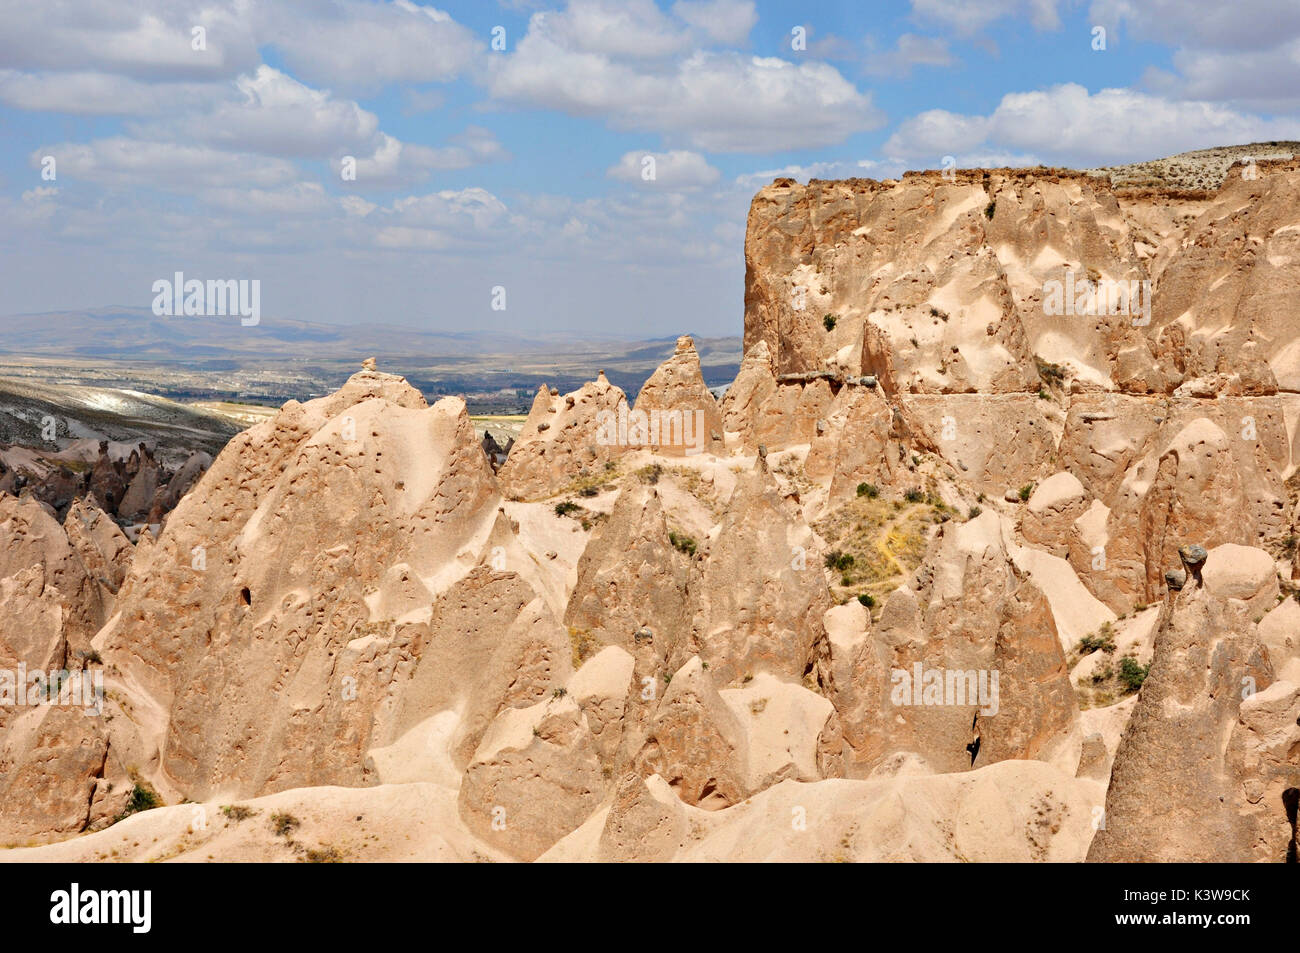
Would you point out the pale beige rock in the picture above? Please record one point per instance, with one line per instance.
(786, 728)
(1242, 572)
(683, 416)
(562, 437)
(534, 778)
(1175, 790)
(696, 743)
(761, 596)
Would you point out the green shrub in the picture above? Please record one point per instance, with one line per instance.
(567, 507)
(682, 543)
(839, 561)
(829, 321)
(1025, 492)
(988, 212)
(975, 511)
(1132, 674)
(869, 490)
(914, 496)
(143, 798)
(867, 600)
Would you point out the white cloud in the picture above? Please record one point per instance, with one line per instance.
(967, 18)
(628, 28)
(1066, 124)
(911, 51)
(99, 94)
(355, 44)
(1241, 26)
(145, 39)
(300, 198)
(723, 21)
(678, 169)
(718, 101)
(277, 115)
(124, 162)
(1239, 54)
(395, 164)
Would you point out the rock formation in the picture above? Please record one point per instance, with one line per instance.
(957, 569)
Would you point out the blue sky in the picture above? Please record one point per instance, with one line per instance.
(521, 168)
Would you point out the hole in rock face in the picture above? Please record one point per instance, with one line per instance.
(1291, 801)
(973, 749)
(245, 597)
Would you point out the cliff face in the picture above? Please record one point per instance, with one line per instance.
(968, 283)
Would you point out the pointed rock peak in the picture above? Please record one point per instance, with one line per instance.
(685, 343)
(368, 383)
(368, 364)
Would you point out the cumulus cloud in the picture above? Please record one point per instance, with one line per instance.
(723, 21)
(356, 44)
(275, 114)
(123, 161)
(395, 164)
(1068, 125)
(1242, 26)
(718, 101)
(150, 39)
(964, 17)
(679, 169)
(1230, 54)
(911, 51)
(100, 94)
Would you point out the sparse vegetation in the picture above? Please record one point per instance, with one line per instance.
(582, 644)
(1103, 640)
(237, 812)
(839, 561)
(1132, 674)
(325, 854)
(682, 543)
(284, 824)
(1052, 374)
(567, 508)
(989, 209)
(914, 496)
(867, 599)
(143, 798)
(1025, 492)
(869, 490)
(829, 321)
(975, 511)
(650, 473)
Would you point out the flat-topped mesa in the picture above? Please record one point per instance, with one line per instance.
(972, 282)
(681, 416)
(563, 439)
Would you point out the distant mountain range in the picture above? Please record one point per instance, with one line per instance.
(137, 334)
